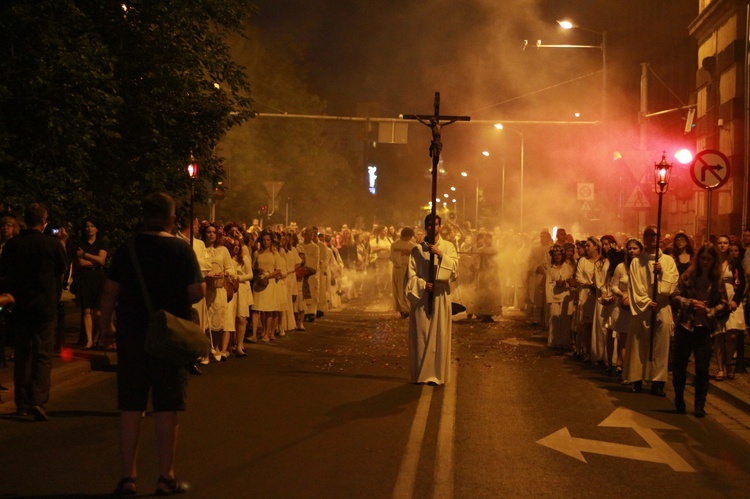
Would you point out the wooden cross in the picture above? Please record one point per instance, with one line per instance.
(436, 122)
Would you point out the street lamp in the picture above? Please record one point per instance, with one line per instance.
(192, 170)
(502, 190)
(565, 24)
(662, 172)
(500, 126)
(476, 205)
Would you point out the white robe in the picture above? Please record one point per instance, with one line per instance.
(399, 256)
(312, 260)
(637, 366)
(430, 335)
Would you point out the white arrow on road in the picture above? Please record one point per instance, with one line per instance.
(657, 452)
(516, 342)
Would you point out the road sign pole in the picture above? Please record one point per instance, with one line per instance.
(708, 215)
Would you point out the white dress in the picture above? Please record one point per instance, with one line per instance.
(267, 299)
(602, 312)
(558, 304)
(216, 298)
(586, 295)
(245, 275)
(621, 315)
(736, 320)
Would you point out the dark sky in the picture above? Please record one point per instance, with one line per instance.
(399, 52)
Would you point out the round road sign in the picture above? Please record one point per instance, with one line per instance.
(710, 169)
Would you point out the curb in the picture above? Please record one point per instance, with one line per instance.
(60, 374)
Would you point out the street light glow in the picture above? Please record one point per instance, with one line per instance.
(499, 126)
(464, 174)
(565, 24)
(453, 188)
(684, 156)
(485, 153)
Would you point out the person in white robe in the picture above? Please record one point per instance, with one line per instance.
(639, 365)
(538, 256)
(312, 260)
(399, 255)
(324, 279)
(557, 276)
(199, 248)
(430, 330)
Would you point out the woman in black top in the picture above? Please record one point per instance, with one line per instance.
(700, 300)
(91, 256)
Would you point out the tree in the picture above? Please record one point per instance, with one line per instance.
(323, 182)
(102, 102)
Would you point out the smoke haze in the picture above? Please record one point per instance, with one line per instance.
(397, 54)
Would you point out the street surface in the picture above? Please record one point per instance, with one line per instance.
(329, 413)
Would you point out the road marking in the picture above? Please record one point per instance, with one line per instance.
(657, 452)
(443, 473)
(516, 342)
(407, 473)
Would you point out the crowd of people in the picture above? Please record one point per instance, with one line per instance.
(640, 307)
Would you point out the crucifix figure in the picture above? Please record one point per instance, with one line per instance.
(436, 146)
(436, 122)
(432, 267)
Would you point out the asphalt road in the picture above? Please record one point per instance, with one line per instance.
(329, 413)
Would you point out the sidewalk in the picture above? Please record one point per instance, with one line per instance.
(71, 362)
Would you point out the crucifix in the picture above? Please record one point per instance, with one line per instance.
(436, 123)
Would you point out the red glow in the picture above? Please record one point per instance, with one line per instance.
(66, 354)
(684, 156)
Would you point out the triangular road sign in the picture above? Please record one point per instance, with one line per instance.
(637, 199)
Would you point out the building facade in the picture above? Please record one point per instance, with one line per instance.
(723, 103)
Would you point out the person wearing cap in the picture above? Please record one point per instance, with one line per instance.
(645, 364)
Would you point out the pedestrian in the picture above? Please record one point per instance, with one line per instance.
(174, 281)
(586, 305)
(557, 276)
(31, 271)
(430, 316)
(9, 228)
(725, 335)
(700, 300)
(91, 255)
(652, 324)
(622, 315)
(216, 293)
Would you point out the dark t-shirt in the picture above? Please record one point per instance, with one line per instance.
(169, 266)
(99, 244)
(31, 269)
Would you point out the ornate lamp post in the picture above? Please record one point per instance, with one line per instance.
(192, 170)
(662, 172)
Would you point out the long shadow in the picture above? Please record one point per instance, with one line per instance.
(384, 404)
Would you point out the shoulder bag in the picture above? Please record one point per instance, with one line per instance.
(168, 337)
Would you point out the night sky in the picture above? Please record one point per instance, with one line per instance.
(398, 53)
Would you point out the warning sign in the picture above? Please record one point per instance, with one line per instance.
(585, 207)
(637, 199)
